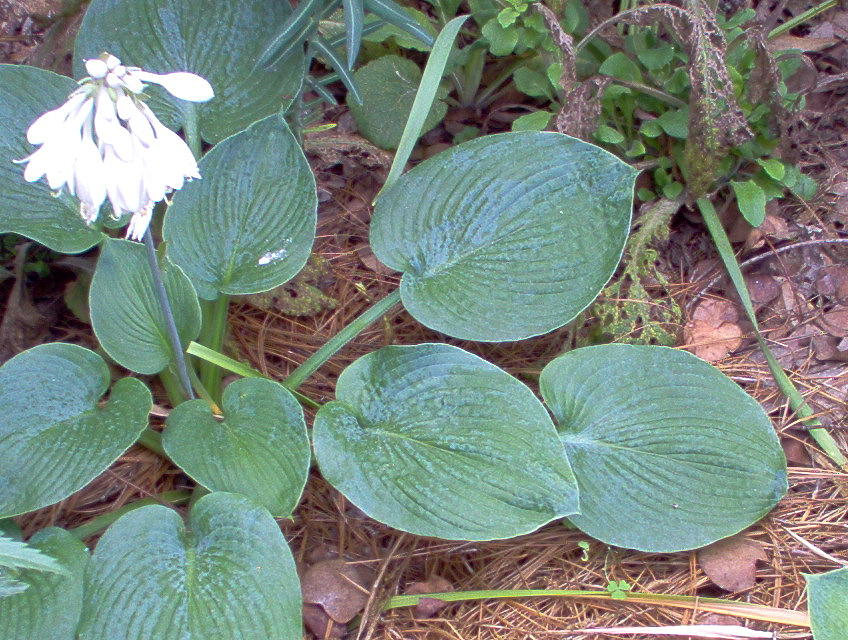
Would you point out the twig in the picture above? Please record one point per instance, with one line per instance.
(757, 259)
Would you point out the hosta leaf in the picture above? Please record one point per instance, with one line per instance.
(217, 39)
(260, 449)
(249, 224)
(18, 554)
(387, 86)
(506, 236)
(31, 209)
(49, 608)
(54, 438)
(226, 575)
(125, 311)
(669, 453)
(828, 606)
(433, 440)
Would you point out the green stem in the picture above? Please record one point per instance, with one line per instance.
(214, 332)
(378, 309)
(150, 439)
(802, 18)
(167, 311)
(173, 388)
(98, 524)
(190, 128)
(202, 392)
(796, 400)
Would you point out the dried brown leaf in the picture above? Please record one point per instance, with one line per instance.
(337, 586)
(713, 331)
(732, 563)
(429, 607)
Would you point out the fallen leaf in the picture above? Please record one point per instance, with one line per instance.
(369, 260)
(832, 282)
(429, 607)
(762, 288)
(835, 322)
(713, 332)
(337, 586)
(787, 41)
(796, 452)
(320, 624)
(732, 563)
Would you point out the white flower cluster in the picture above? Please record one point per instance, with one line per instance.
(105, 142)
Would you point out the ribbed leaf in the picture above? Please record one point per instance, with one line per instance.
(433, 440)
(260, 449)
(669, 453)
(54, 438)
(125, 311)
(226, 575)
(217, 39)
(18, 554)
(506, 236)
(826, 593)
(31, 209)
(249, 224)
(49, 609)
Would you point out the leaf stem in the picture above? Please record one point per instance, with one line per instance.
(167, 311)
(801, 18)
(214, 331)
(190, 128)
(796, 400)
(378, 309)
(150, 439)
(98, 524)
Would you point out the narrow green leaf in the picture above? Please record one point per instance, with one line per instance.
(249, 224)
(260, 449)
(669, 453)
(323, 49)
(60, 431)
(31, 209)
(394, 14)
(226, 574)
(220, 40)
(751, 200)
(828, 597)
(125, 312)
(289, 35)
(49, 608)
(506, 236)
(433, 440)
(427, 90)
(354, 12)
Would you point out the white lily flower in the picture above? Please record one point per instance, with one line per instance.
(104, 142)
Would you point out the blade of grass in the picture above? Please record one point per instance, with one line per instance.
(714, 605)
(796, 400)
(354, 12)
(424, 97)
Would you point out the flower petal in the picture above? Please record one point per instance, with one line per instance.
(180, 84)
(139, 223)
(108, 127)
(96, 68)
(48, 123)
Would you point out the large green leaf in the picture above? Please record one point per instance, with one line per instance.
(387, 86)
(827, 594)
(260, 448)
(228, 575)
(433, 440)
(49, 609)
(669, 453)
(506, 236)
(217, 39)
(54, 438)
(31, 209)
(125, 311)
(249, 224)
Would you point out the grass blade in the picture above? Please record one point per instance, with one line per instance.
(354, 11)
(796, 400)
(424, 97)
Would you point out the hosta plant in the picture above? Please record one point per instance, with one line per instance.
(499, 239)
